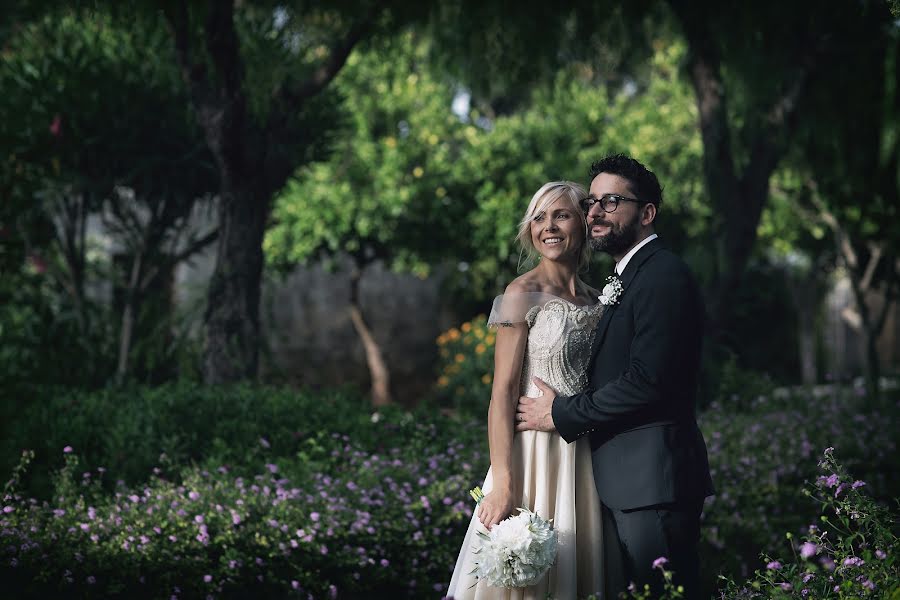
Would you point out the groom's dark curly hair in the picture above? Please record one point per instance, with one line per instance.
(644, 183)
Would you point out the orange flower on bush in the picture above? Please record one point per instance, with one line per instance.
(466, 365)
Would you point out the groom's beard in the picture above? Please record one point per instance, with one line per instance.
(619, 239)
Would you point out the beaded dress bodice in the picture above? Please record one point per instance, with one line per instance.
(560, 343)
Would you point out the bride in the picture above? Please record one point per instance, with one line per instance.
(545, 320)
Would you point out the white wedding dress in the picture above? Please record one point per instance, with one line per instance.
(555, 478)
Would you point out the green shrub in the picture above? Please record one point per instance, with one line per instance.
(851, 552)
(126, 430)
(762, 459)
(466, 366)
(376, 512)
(409, 472)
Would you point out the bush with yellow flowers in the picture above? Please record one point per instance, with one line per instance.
(466, 365)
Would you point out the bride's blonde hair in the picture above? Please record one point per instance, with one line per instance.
(569, 192)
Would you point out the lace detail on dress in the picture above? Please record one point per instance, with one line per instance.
(560, 343)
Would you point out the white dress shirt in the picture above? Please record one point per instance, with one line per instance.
(620, 266)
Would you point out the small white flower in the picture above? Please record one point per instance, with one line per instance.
(611, 291)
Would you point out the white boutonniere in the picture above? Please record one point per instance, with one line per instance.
(611, 291)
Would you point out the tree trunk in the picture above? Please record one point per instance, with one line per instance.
(231, 349)
(252, 164)
(873, 368)
(738, 198)
(378, 369)
(128, 317)
(806, 296)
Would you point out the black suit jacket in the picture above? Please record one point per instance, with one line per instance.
(639, 408)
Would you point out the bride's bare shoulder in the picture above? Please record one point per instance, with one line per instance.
(523, 284)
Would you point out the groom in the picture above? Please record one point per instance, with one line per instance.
(649, 457)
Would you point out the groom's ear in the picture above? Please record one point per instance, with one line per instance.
(649, 214)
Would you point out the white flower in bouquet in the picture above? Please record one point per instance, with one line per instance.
(517, 551)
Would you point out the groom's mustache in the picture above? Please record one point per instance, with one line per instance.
(599, 221)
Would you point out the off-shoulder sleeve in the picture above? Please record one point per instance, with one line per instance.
(513, 308)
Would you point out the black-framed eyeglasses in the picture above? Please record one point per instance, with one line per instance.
(608, 202)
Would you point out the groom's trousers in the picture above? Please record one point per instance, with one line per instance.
(634, 539)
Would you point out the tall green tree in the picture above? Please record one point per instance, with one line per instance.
(558, 131)
(391, 191)
(95, 124)
(752, 68)
(423, 188)
(844, 182)
(256, 75)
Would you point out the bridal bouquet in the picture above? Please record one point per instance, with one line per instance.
(517, 551)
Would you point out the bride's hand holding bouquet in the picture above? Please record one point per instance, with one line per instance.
(496, 505)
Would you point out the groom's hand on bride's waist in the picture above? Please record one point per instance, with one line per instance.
(535, 414)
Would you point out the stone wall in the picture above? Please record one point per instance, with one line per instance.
(311, 340)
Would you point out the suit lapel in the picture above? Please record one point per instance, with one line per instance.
(631, 271)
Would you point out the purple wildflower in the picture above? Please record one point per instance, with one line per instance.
(880, 554)
(808, 549)
(774, 565)
(659, 562)
(854, 561)
(67, 450)
(858, 484)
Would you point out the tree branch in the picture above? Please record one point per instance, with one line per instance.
(193, 73)
(173, 260)
(875, 252)
(780, 120)
(706, 77)
(840, 236)
(334, 63)
(889, 297)
(223, 46)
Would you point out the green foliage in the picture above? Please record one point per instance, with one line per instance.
(367, 512)
(315, 486)
(762, 456)
(465, 365)
(387, 192)
(126, 430)
(43, 341)
(738, 388)
(416, 184)
(772, 348)
(850, 553)
(563, 129)
(91, 102)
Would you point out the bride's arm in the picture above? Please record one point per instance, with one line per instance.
(509, 351)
